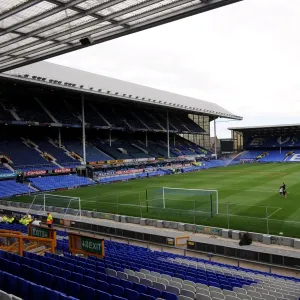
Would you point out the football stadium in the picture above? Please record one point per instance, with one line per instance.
(112, 190)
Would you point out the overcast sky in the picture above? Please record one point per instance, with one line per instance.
(244, 57)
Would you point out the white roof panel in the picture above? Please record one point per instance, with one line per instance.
(112, 86)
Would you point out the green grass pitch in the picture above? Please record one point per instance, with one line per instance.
(244, 193)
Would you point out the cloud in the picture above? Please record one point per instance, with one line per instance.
(244, 57)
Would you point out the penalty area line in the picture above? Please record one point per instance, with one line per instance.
(274, 212)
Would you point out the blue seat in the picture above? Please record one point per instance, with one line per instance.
(47, 280)
(114, 297)
(76, 277)
(103, 286)
(154, 292)
(131, 294)
(142, 289)
(36, 291)
(55, 271)
(126, 284)
(24, 287)
(89, 281)
(116, 290)
(65, 274)
(35, 264)
(169, 296)
(51, 295)
(102, 276)
(91, 273)
(36, 276)
(146, 297)
(60, 284)
(11, 283)
(87, 292)
(99, 295)
(113, 280)
(73, 288)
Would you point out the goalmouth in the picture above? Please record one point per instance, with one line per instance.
(193, 200)
(66, 205)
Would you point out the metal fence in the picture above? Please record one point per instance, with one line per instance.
(261, 219)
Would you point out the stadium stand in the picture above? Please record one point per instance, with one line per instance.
(59, 154)
(21, 155)
(133, 272)
(59, 181)
(92, 153)
(10, 188)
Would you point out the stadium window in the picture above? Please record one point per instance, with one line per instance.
(99, 90)
(81, 86)
(108, 92)
(124, 95)
(116, 93)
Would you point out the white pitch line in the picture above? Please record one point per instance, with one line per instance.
(274, 212)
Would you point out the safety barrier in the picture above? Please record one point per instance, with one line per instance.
(15, 242)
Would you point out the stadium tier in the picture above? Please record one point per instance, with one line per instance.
(134, 273)
(38, 106)
(10, 188)
(47, 183)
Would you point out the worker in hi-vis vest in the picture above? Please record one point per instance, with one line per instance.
(49, 220)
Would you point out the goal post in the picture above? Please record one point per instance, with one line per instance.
(199, 201)
(66, 205)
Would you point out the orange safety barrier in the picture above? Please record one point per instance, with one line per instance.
(13, 241)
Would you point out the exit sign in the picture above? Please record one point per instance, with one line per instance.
(40, 232)
(91, 245)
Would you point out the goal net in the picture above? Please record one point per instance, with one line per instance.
(68, 206)
(186, 201)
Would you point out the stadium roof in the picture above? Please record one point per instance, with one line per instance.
(34, 30)
(47, 73)
(268, 129)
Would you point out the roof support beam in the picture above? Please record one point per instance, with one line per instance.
(140, 21)
(61, 22)
(77, 37)
(37, 18)
(18, 9)
(84, 26)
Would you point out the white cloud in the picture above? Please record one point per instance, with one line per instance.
(244, 57)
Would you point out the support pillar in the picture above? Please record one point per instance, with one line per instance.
(146, 139)
(83, 130)
(168, 134)
(215, 134)
(59, 138)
